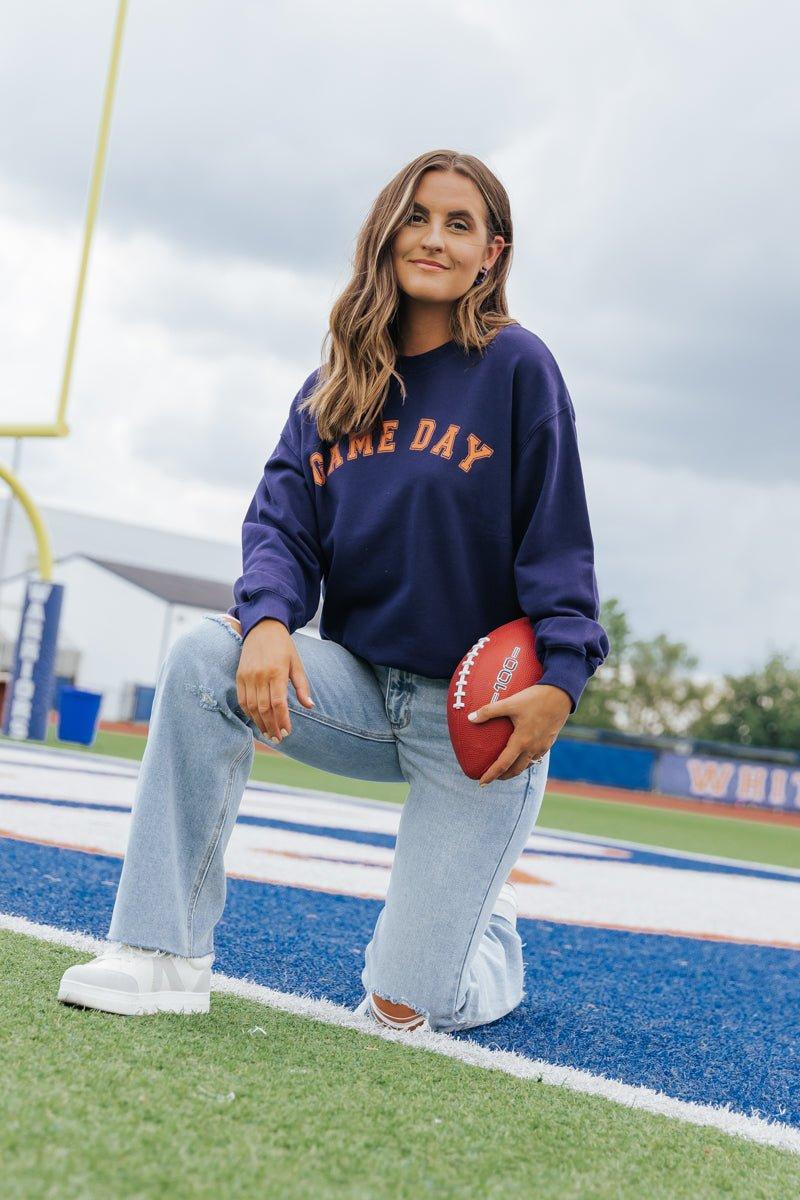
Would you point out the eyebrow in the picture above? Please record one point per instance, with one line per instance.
(455, 212)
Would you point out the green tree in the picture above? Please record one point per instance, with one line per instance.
(660, 697)
(761, 708)
(643, 687)
(599, 705)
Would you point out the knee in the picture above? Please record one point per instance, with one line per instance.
(195, 657)
(187, 649)
(396, 1016)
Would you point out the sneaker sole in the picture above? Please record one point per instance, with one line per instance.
(86, 995)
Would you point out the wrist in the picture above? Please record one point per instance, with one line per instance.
(559, 696)
(567, 669)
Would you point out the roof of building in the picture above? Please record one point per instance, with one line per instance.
(171, 586)
(174, 587)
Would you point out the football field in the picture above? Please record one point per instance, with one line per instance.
(655, 1052)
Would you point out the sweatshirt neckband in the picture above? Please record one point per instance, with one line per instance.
(409, 363)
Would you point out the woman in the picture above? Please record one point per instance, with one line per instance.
(429, 474)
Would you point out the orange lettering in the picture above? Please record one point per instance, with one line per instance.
(336, 459)
(477, 451)
(386, 444)
(444, 446)
(425, 431)
(317, 463)
(359, 445)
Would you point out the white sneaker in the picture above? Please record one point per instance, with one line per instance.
(506, 903)
(136, 982)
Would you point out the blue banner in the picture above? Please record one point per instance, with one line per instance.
(729, 781)
(613, 766)
(30, 690)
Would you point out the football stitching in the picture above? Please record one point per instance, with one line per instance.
(461, 679)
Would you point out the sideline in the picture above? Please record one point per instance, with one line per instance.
(583, 791)
(735, 1124)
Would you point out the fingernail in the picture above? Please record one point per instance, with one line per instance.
(284, 732)
(472, 716)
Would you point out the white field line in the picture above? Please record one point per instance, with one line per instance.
(129, 768)
(666, 851)
(754, 1129)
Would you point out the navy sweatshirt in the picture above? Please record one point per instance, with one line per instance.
(464, 511)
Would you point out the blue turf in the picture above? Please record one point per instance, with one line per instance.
(704, 1021)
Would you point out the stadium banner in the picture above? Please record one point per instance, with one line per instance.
(731, 781)
(612, 766)
(30, 688)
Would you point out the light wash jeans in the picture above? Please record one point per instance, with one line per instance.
(436, 945)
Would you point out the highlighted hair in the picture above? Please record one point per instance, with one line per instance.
(360, 348)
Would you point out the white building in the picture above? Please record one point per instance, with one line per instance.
(129, 592)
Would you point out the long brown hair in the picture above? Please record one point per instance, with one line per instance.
(360, 347)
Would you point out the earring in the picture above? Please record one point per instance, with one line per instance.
(484, 271)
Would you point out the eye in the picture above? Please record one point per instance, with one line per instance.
(462, 225)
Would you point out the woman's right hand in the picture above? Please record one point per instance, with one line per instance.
(268, 660)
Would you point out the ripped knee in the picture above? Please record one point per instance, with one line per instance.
(396, 1016)
(205, 696)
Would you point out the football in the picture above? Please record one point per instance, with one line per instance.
(500, 664)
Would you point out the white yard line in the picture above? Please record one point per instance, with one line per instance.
(754, 1129)
(668, 852)
(127, 769)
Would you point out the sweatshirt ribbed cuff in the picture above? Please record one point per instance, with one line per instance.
(567, 669)
(265, 604)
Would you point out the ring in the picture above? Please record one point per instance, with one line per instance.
(533, 760)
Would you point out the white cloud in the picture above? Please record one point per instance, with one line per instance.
(646, 150)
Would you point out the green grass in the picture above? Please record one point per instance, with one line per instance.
(727, 837)
(98, 1106)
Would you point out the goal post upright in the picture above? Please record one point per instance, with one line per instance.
(30, 688)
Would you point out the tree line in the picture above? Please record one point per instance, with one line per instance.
(646, 687)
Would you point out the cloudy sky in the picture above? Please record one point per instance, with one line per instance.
(650, 155)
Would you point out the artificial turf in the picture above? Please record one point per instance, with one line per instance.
(726, 837)
(249, 1101)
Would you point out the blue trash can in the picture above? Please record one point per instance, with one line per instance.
(78, 713)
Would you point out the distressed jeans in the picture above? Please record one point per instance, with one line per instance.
(436, 946)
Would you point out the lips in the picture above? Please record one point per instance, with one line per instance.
(425, 262)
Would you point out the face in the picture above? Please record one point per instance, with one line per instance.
(447, 227)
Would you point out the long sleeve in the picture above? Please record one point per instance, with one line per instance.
(281, 557)
(554, 557)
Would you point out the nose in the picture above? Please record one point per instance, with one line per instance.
(433, 237)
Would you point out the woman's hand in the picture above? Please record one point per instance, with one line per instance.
(538, 714)
(268, 660)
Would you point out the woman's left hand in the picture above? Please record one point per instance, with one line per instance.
(538, 714)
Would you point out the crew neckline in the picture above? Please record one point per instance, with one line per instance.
(419, 362)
